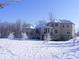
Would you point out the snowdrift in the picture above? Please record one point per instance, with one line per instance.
(14, 49)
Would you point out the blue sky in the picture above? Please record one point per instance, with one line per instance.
(34, 10)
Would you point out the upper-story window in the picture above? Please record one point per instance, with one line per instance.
(63, 26)
(67, 26)
(68, 32)
(56, 31)
(45, 30)
(52, 25)
(56, 24)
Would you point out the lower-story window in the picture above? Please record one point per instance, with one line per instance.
(56, 31)
(68, 32)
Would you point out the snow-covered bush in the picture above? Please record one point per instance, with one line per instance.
(11, 36)
(47, 37)
(24, 36)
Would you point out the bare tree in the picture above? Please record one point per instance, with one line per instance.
(24, 26)
(5, 3)
(17, 30)
(51, 17)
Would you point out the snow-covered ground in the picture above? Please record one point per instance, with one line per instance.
(14, 49)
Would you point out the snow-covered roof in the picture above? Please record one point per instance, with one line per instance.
(65, 21)
(61, 21)
(32, 27)
(41, 26)
(55, 20)
(44, 25)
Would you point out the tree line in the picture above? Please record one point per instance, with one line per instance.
(16, 28)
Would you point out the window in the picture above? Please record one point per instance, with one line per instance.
(52, 25)
(56, 24)
(67, 26)
(46, 30)
(68, 32)
(56, 31)
(63, 26)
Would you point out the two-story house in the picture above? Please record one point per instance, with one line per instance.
(58, 30)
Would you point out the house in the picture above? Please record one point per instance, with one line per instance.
(58, 30)
(30, 30)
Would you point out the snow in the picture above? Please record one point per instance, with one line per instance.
(65, 21)
(11, 36)
(29, 49)
(24, 36)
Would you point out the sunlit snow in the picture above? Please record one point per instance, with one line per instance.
(29, 49)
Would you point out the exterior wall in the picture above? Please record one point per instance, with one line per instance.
(54, 30)
(58, 31)
(65, 31)
(73, 30)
